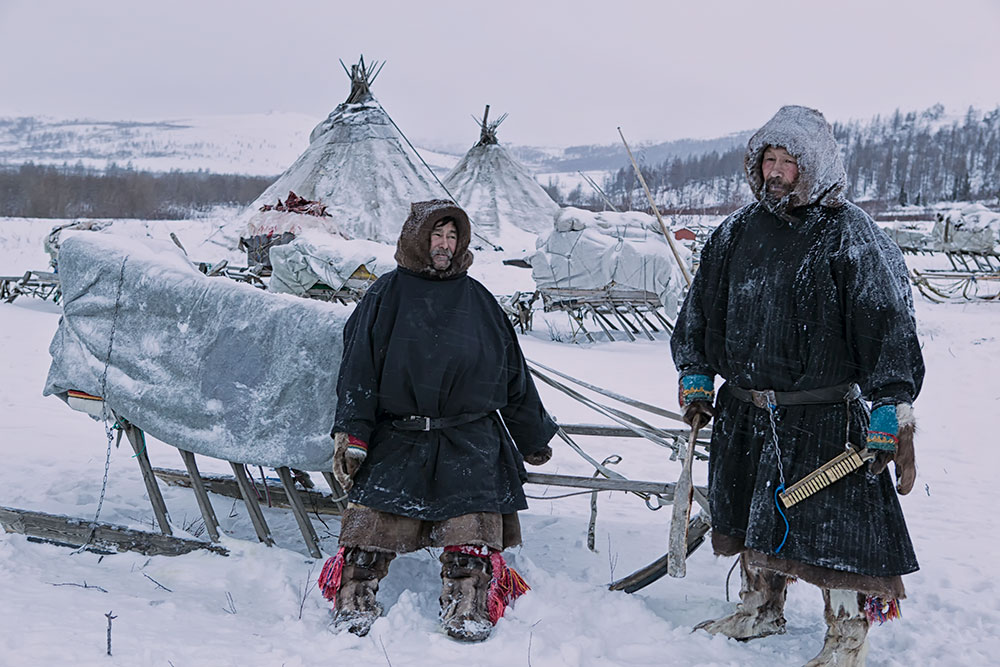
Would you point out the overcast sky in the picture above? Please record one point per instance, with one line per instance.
(566, 72)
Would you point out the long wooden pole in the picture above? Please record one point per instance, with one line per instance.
(683, 494)
(666, 232)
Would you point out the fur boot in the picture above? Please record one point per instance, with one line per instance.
(846, 643)
(356, 608)
(465, 586)
(761, 609)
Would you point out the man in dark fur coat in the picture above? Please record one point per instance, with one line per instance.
(436, 415)
(802, 305)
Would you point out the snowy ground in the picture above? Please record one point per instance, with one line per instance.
(54, 462)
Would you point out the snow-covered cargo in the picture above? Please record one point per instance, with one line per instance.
(205, 364)
(299, 265)
(586, 250)
(968, 228)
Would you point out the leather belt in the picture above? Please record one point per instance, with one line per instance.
(418, 423)
(763, 398)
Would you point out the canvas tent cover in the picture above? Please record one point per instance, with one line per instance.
(357, 165)
(586, 250)
(497, 191)
(204, 364)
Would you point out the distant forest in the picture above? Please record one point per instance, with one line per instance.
(907, 158)
(32, 191)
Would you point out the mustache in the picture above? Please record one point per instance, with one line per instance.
(446, 252)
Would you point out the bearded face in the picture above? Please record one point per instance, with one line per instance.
(780, 172)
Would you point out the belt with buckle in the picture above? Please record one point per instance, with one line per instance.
(419, 423)
(766, 398)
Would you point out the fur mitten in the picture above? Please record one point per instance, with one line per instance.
(348, 455)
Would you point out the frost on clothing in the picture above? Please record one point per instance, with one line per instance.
(813, 302)
(435, 343)
(437, 348)
(205, 364)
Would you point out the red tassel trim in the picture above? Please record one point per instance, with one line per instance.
(505, 586)
(329, 576)
(877, 609)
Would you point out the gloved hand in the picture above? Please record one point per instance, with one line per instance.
(348, 455)
(539, 458)
(695, 394)
(699, 410)
(885, 418)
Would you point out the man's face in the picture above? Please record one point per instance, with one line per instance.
(780, 171)
(444, 240)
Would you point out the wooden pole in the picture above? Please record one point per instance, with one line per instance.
(683, 494)
(666, 232)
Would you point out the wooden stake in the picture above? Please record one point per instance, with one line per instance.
(666, 232)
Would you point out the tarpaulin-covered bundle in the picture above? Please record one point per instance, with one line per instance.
(204, 364)
(969, 228)
(299, 265)
(588, 250)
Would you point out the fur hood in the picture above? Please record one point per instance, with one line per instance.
(805, 134)
(413, 249)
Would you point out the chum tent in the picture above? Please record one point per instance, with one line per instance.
(359, 166)
(496, 190)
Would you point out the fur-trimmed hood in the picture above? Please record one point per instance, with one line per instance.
(413, 249)
(806, 135)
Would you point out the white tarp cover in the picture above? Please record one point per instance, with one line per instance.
(204, 364)
(299, 265)
(497, 191)
(973, 228)
(588, 250)
(358, 166)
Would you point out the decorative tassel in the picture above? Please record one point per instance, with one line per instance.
(329, 576)
(505, 587)
(877, 609)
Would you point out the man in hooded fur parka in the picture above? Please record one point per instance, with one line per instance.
(436, 415)
(802, 305)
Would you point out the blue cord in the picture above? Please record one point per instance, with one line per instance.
(778, 490)
(142, 436)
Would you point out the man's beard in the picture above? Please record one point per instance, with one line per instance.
(443, 254)
(775, 196)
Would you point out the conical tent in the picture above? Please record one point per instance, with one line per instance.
(358, 165)
(496, 190)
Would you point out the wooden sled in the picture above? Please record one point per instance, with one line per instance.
(628, 312)
(40, 284)
(972, 276)
(247, 489)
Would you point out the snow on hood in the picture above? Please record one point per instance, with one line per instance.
(805, 134)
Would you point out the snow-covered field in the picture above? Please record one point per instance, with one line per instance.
(258, 606)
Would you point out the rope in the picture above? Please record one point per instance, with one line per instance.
(634, 424)
(610, 394)
(450, 196)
